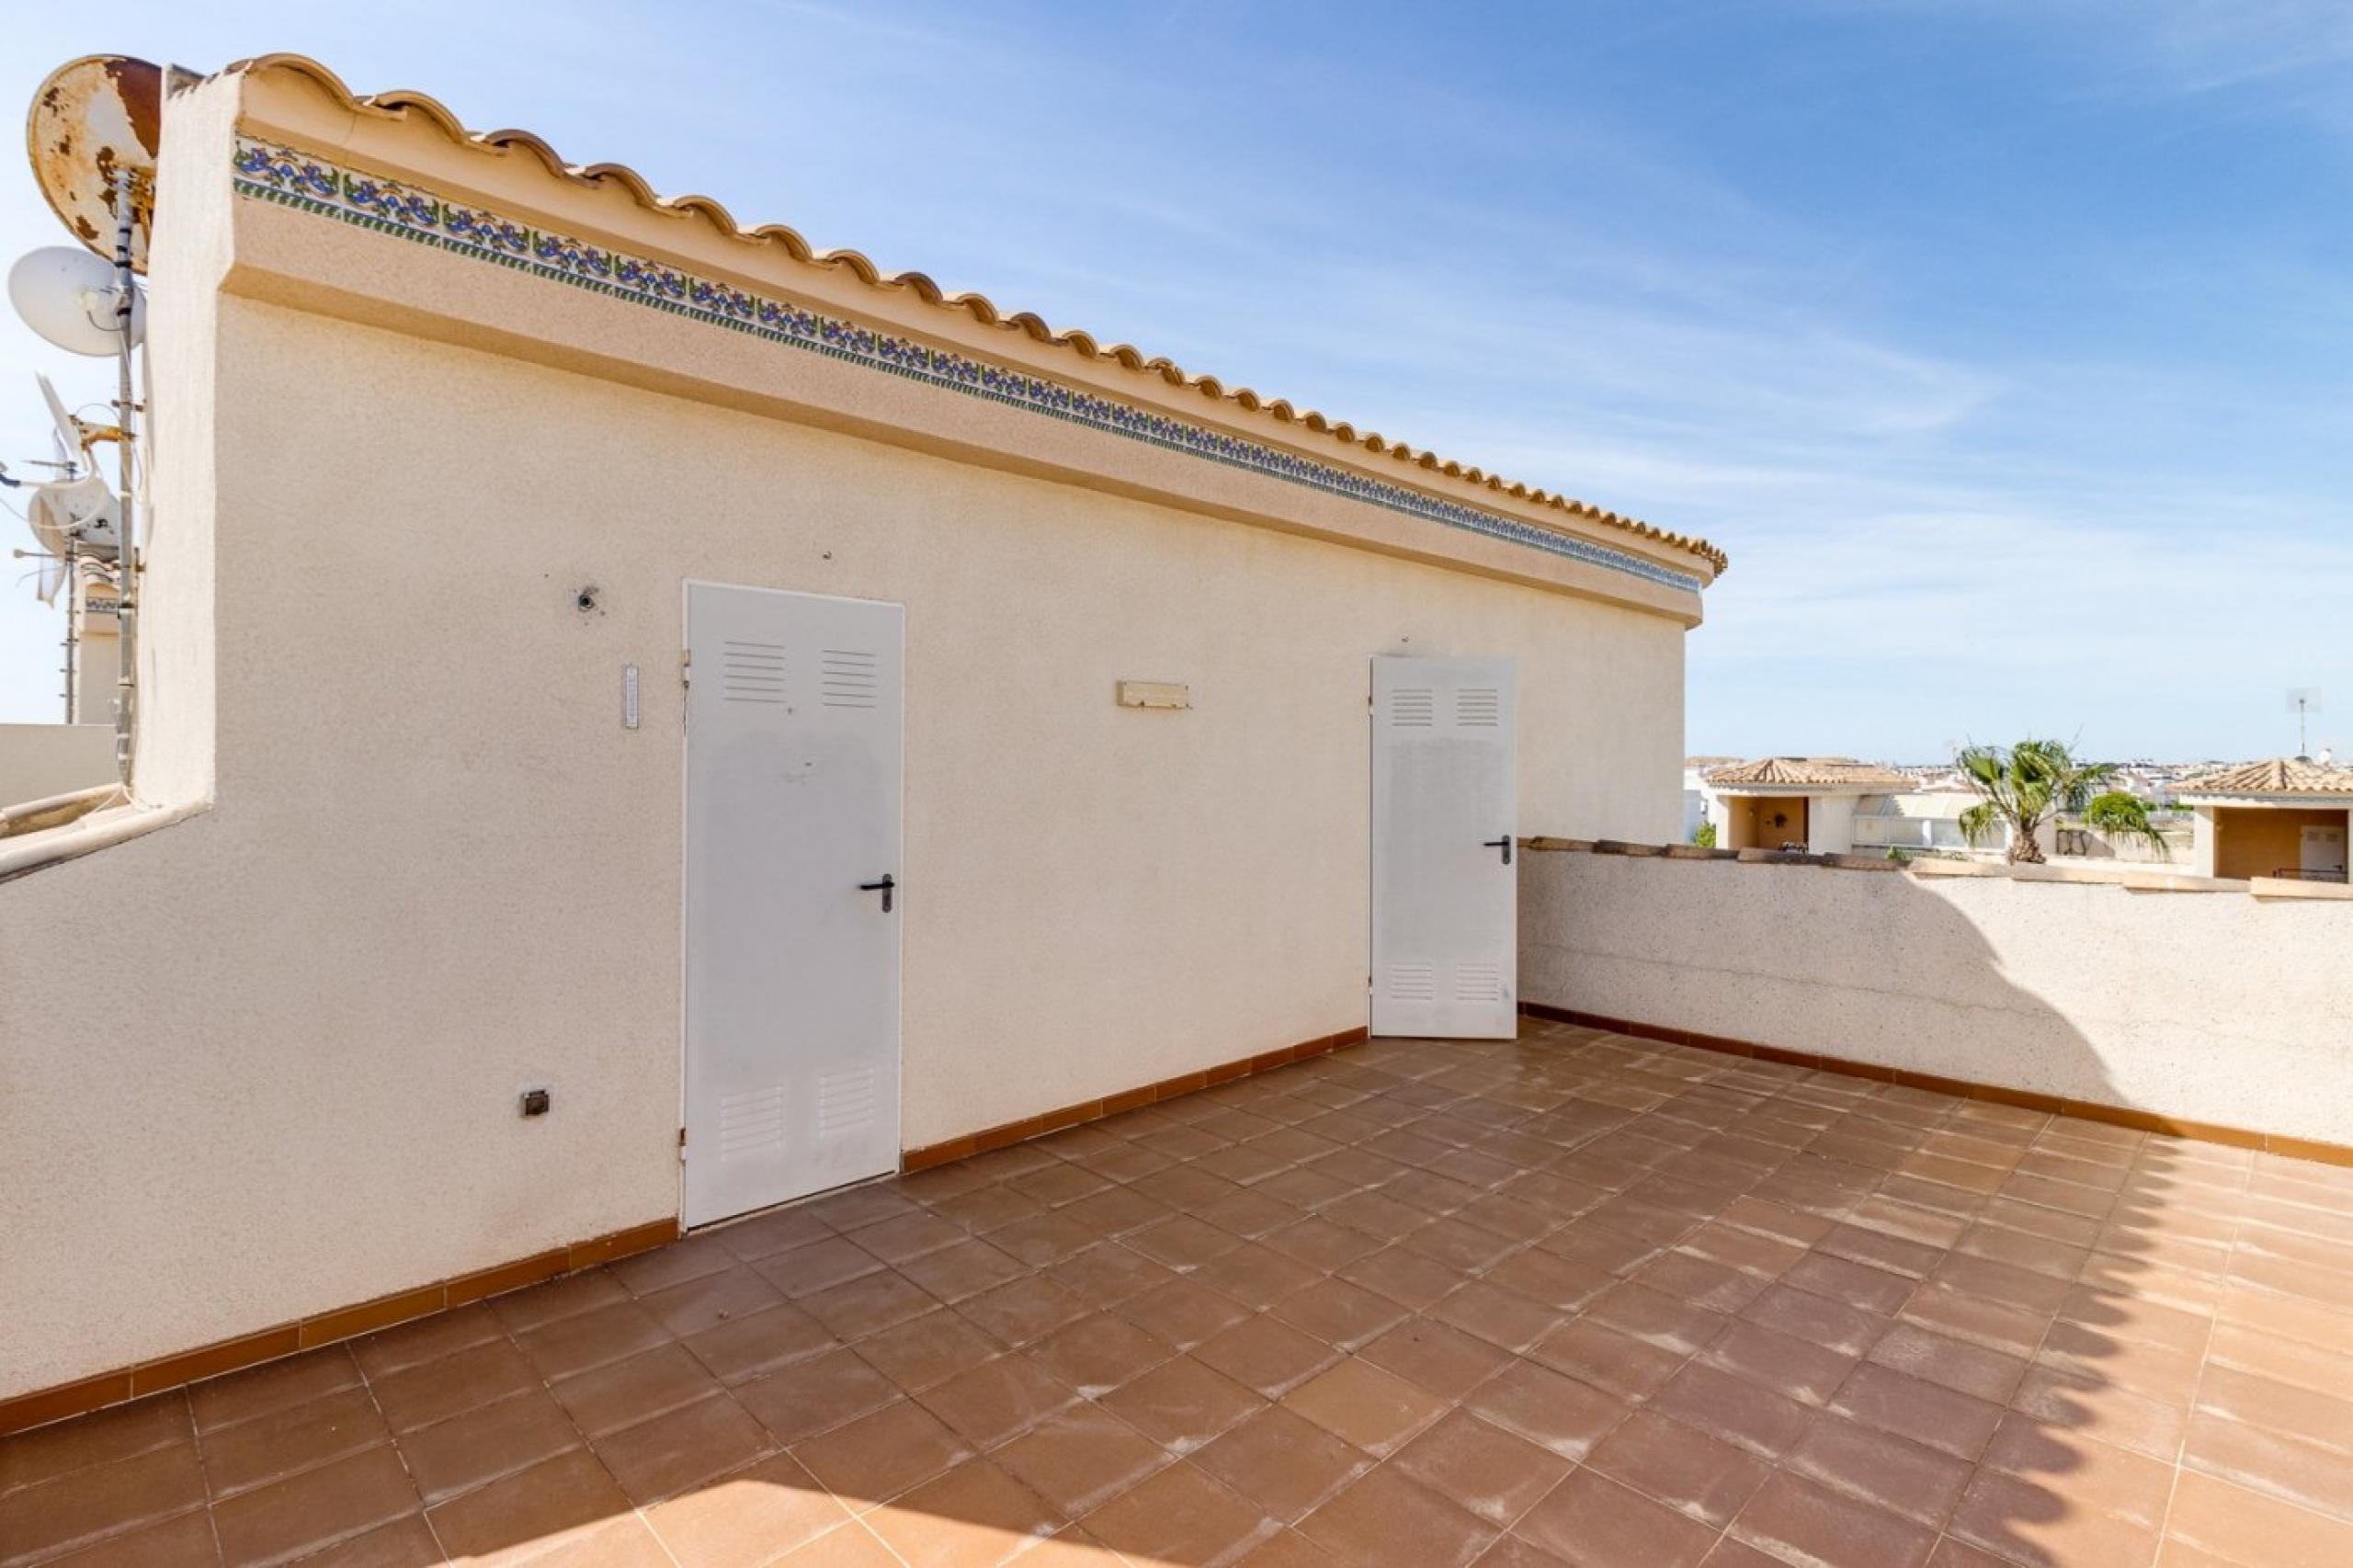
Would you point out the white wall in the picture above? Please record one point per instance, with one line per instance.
(2214, 1007)
(438, 868)
(1830, 824)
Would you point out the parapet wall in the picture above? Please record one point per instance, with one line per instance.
(2177, 1001)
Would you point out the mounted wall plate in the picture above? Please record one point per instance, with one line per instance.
(1154, 694)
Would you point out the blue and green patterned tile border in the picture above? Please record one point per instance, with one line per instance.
(307, 182)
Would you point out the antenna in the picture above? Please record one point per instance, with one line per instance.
(2303, 702)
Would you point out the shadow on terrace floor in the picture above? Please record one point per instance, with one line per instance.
(1577, 1298)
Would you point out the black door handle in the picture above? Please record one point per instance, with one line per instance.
(882, 887)
(1503, 844)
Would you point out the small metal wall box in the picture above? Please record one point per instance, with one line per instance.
(1154, 694)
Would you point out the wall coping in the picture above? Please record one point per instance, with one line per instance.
(29, 852)
(2132, 881)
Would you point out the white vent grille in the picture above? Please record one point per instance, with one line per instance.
(848, 679)
(845, 1101)
(751, 1123)
(1412, 708)
(751, 671)
(1479, 707)
(1413, 982)
(1478, 982)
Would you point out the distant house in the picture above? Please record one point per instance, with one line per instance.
(1795, 802)
(2284, 817)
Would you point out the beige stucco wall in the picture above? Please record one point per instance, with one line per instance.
(41, 760)
(2213, 1007)
(437, 867)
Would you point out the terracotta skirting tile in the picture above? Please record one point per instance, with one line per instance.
(994, 1137)
(622, 1243)
(508, 1277)
(2023, 1099)
(213, 1360)
(40, 1408)
(349, 1323)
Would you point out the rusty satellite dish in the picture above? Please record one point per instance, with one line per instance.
(94, 121)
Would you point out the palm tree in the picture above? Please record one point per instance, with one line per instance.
(2123, 816)
(2023, 786)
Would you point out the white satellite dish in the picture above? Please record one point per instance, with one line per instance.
(68, 297)
(74, 517)
(69, 442)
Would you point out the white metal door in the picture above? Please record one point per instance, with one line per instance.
(2322, 850)
(793, 744)
(1445, 806)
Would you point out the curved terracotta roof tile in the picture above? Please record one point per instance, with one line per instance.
(1792, 771)
(401, 103)
(2275, 775)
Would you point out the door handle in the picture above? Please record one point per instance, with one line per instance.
(882, 887)
(1503, 844)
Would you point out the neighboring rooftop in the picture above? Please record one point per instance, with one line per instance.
(1790, 772)
(2275, 775)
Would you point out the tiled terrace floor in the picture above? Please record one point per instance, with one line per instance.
(1579, 1298)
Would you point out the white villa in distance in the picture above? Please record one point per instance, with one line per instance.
(2286, 817)
(1793, 803)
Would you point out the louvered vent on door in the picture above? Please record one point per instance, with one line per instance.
(845, 1101)
(751, 671)
(1479, 706)
(847, 678)
(1412, 708)
(751, 1123)
(1413, 982)
(1478, 982)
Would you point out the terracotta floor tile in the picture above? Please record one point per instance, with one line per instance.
(1282, 1462)
(1503, 1318)
(1388, 1516)
(2086, 1473)
(1594, 1353)
(1482, 1468)
(289, 1439)
(1949, 1363)
(450, 1385)
(1402, 1276)
(268, 1389)
(2312, 1413)
(1593, 1521)
(1045, 1238)
(576, 1343)
(1734, 1409)
(94, 1501)
(868, 1304)
(1024, 1309)
(1080, 1457)
(1857, 1285)
(963, 1268)
(1893, 1401)
(2238, 1526)
(2100, 1410)
(1443, 1360)
(1680, 1466)
(2026, 1521)
(181, 1540)
(748, 1347)
(1255, 1276)
(518, 1311)
(904, 1236)
(1265, 1354)
(1182, 1404)
(746, 1518)
(648, 1272)
(1790, 1367)
(1181, 1515)
(926, 1350)
(425, 1339)
(1547, 1409)
(1321, 1241)
(1183, 1312)
(1361, 1403)
(1804, 1521)
(997, 1400)
(974, 1515)
(316, 1508)
(659, 1458)
(2301, 1472)
(816, 1395)
(816, 1267)
(1880, 1469)
(621, 1394)
(466, 1451)
(1099, 1354)
(1108, 1274)
(105, 1436)
(877, 1457)
(711, 1299)
(765, 1235)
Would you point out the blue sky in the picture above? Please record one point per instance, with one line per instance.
(2007, 345)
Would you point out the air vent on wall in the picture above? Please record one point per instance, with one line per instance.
(751, 1122)
(1413, 982)
(1481, 707)
(1412, 708)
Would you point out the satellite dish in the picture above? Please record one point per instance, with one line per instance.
(73, 517)
(69, 437)
(94, 120)
(68, 297)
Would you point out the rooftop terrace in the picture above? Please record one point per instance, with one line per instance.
(1579, 1298)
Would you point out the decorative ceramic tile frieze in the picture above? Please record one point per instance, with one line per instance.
(308, 183)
